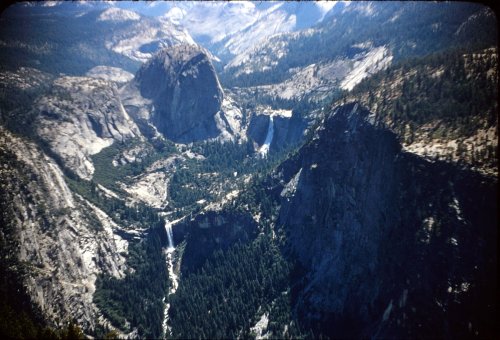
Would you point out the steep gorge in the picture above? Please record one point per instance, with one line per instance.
(378, 239)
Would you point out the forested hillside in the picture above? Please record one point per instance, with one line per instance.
(444, 106)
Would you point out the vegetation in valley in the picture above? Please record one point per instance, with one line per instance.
(231, 291)
(109, 174)
(235, 286)
(137, 299)
(222, 168)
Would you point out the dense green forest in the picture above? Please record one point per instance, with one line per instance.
(224, 294)
(196, 179)
(227, 295)
(137, 300)
(147, 283)
(458, 87)
(48, 44)
(446, 96)
(224, 167)
(16, 103)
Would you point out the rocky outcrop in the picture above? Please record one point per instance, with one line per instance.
(185, 91)
(334, 209)
(257, 129)
(110, 73)
(81, 116)
(61, 240)
(384, 239)
(177, 94)
(150, 188)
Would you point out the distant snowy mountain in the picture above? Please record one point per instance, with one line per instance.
(117, 14)
(139, 39)
(226, 29)
(245, 24)
(388, 26)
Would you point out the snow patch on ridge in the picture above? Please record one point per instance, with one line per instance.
(290, 188)
(261, 326)
(163, 33)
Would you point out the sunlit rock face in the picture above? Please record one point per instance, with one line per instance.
(79, 117)
(64, 240)
(185, 91)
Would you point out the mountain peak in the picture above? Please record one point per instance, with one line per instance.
(118, 14)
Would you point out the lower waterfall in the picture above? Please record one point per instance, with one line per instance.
(174, 280)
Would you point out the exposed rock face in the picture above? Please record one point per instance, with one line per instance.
(385, 238)
(63, 240)
(185, 91)
(150, 188)
(257, 129)
(274, 54)
(110, 73)
(334, 208)
(231, 121)
(288, 131)
(118, 14)
(80, 117)
(317, 82)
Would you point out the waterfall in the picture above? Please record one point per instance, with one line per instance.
(264, 149)
(174, 280)
(170, 236)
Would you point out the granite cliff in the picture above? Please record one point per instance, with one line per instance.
(383, 236)
(185, 91)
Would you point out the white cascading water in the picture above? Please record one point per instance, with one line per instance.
(170, 236)
(264, 149)
(174, 280)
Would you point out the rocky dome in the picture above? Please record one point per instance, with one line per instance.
(185, 91)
